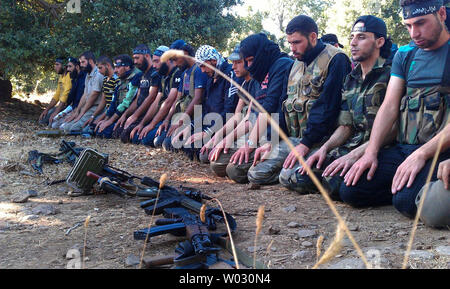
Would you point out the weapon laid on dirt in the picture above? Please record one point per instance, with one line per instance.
(68, 153)
(170, 197)
(106, 184)
(56, 133)
(195, 253)
(200, 250)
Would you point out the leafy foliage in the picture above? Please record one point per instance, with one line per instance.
(34, 33)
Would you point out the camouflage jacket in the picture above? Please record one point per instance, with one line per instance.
(305, 84)
(361, 99)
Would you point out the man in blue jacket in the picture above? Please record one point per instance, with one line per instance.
(219, 100)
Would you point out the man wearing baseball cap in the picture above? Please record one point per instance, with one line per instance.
(363, 92)
(418, 98)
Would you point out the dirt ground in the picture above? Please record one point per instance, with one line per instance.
(41, 241)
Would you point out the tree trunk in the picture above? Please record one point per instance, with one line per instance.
(5, 90)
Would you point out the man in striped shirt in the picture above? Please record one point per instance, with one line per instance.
(110, 81)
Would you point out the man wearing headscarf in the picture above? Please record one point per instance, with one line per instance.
(270, 67)
(220, 99)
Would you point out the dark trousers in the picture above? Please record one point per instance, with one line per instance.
(148, 140)
(377, 192)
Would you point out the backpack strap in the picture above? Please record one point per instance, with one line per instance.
(408, 61)
(191, 81)
(446, 76)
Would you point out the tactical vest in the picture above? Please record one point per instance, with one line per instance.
(183, 103)
(164, 85)
(304, 88)
(424, 111)
(124, 86)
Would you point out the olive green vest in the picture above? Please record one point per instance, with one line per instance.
(424, 111)
(304, 88)
(164, 84)
(184, 101)
(124, 86)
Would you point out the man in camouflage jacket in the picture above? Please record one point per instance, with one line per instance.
(363, 92)
(418, 98)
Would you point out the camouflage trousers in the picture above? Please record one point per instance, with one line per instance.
(219, 167)
(436, 207)
(293, 180)
(268, 171)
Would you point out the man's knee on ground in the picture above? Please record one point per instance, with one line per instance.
(167, 144)
(350, 196)
(219, 169)
(237, 174)
(436, 206)
(262, 175)
(404, 204)
(158, 141)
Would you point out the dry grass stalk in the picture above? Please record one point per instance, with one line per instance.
(259, 222)
(172, 53)
(333, 249)
(203, 213)
(162, 182)
(86, 224)
(236, 260)
(319, 247)
(299, 158)
(269, 247)
(259, 219)
(422, 200)
(268, 252)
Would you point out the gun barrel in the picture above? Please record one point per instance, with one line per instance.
(158, 261)
(107, 185)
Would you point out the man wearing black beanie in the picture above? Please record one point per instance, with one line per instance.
(270, 67)
(313, 100)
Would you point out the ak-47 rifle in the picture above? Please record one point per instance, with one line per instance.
(181, 222)
(170, 197)
(200, 249)
(106, 184)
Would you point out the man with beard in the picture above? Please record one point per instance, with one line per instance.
(418, 98)
(76, 92)
(234, 133)
(110, 81)
(269, 67)
(91, 96)
(145, 131)
(60, 96)
(148, 89)
(124, 95)
(363, 92)
(313, 100)
(220, 100)
(190, 93)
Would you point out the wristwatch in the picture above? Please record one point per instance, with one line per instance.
(250, 143)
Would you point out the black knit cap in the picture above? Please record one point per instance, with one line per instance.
(331, 39)
(371, 24)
